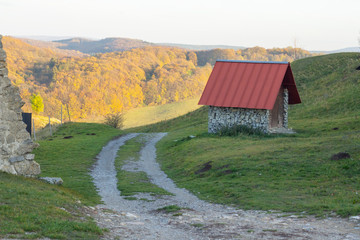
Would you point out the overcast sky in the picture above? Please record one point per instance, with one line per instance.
(315, 24)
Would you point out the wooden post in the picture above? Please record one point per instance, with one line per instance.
(34, 130)
(61, 116)
(67, 106)
(50, 127)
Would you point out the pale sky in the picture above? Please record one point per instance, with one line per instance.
(315, 24)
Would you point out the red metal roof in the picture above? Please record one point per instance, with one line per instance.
(248, 84)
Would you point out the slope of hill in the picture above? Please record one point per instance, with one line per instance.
(92, 86)
(54, 46)
(342, 50)
(328, 85)
(292, 173)
(152, 114)
(349, 49)
(96, 85)
(101, 46)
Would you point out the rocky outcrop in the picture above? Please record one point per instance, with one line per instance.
(15, 142)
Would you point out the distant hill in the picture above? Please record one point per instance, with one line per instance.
(43, 37)
(101, 46)
(342, 50)
(56, 47)
(349, 49)
(199, 47)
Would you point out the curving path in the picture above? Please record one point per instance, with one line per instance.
(139, 219)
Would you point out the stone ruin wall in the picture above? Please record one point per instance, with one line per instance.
(220, 117)
(15, 142)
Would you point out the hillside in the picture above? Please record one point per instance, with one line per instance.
(152, 114)
(54, 46)
(328, 86)
(292, 173)
(91, 86)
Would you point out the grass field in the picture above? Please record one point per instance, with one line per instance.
(291, 173)
(152, 114)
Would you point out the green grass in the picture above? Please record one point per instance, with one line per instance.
(131, 183)
(328, 86)
(70, 154)
(152, 114)
(291, 173)
(288, 173)
(170, 209)
(32, 209)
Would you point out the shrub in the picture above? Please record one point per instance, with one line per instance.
(240, 129)
(115, 120)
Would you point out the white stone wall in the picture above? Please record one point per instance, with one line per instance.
(15, 142)
(220, 117)
(286, 108)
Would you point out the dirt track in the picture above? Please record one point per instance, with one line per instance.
(139, 219)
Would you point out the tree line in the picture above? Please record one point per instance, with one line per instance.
(91, 86)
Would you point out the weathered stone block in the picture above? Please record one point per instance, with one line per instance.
(16, 159)
(27, 168)
(53, 180)
(30, 157)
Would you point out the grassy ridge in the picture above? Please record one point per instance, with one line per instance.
(287, 173)
(328, 86)
(152, 114)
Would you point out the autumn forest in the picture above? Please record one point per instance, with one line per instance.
(93, 85)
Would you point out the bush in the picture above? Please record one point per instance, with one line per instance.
(115, 120)
(240, 129)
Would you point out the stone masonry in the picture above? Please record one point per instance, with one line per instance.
(220, 117)
(15, 142)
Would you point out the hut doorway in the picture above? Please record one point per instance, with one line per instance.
(276, 114)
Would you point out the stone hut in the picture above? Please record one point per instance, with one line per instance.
(251, 93)
(15, 142)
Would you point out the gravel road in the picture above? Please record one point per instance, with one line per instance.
(140, 219)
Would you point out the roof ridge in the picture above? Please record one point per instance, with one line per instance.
(244, 61)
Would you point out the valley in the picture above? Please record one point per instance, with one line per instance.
(284, 179)
(89, 86)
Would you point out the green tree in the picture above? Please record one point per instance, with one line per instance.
(37, 104)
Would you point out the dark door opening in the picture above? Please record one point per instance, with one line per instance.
(276, 114)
